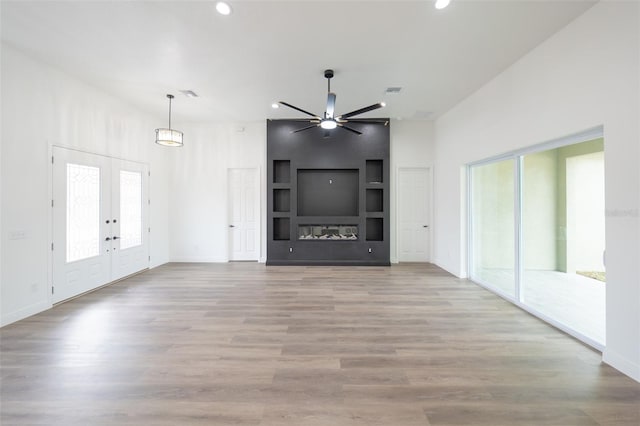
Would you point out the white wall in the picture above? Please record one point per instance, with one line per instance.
(411, 146)
(198, 188)
(584, 76)
(42, 107)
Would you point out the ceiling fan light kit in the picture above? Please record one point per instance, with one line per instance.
(328, 121)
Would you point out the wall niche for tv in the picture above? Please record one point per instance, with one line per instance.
(328, 195)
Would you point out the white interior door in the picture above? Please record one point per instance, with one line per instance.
(100, 231)
(414, 211)
(130, 239)
(81, 211)
(244, 214)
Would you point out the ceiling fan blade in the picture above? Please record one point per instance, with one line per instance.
(331, 105)
(342, 126)
(298, 109)
(299, 120)
(369, 121)
(305, 128)
(361, 110)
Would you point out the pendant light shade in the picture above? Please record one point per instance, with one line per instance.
(169, 136)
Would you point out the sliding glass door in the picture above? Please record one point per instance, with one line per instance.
(537, 233)
(492, 203)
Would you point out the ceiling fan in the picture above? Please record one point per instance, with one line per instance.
(329, 120)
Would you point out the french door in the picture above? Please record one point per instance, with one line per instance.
(100, 231)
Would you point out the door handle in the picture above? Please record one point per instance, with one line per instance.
(232, 226)
(115, 238)
(425, 226)
(107, 239)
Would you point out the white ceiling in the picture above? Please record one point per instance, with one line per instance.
(277, 50)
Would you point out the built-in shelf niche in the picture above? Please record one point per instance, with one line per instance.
(281, 171)
(281, 228)
(374, 171)
(375, 229)
(281, 200)
(374, 200)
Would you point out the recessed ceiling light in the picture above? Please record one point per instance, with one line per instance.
(275, 105)
(223, 8)
(441, 4)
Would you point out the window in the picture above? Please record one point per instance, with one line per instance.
(83, 212)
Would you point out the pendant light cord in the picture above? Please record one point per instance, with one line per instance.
(169, 96)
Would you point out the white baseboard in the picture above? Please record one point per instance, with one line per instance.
(440, 265)
(23, 313)
(621, 364)
(197, 260)
(156, 264)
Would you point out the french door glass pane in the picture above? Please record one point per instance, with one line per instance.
(492, 225)
(563, 236)
(130, 209)
(83, 212)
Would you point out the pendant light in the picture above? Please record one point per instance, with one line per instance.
(169, 137)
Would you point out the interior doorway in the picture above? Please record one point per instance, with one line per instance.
(414, 214)
(244, 214)
(99, 217)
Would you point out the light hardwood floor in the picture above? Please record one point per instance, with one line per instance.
(246, 344)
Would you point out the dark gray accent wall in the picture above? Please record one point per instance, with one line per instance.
(322, 175)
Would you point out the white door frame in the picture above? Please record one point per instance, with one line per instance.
(429, 170)
(258, 211)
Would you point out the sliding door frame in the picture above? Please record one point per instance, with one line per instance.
(517, 156)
